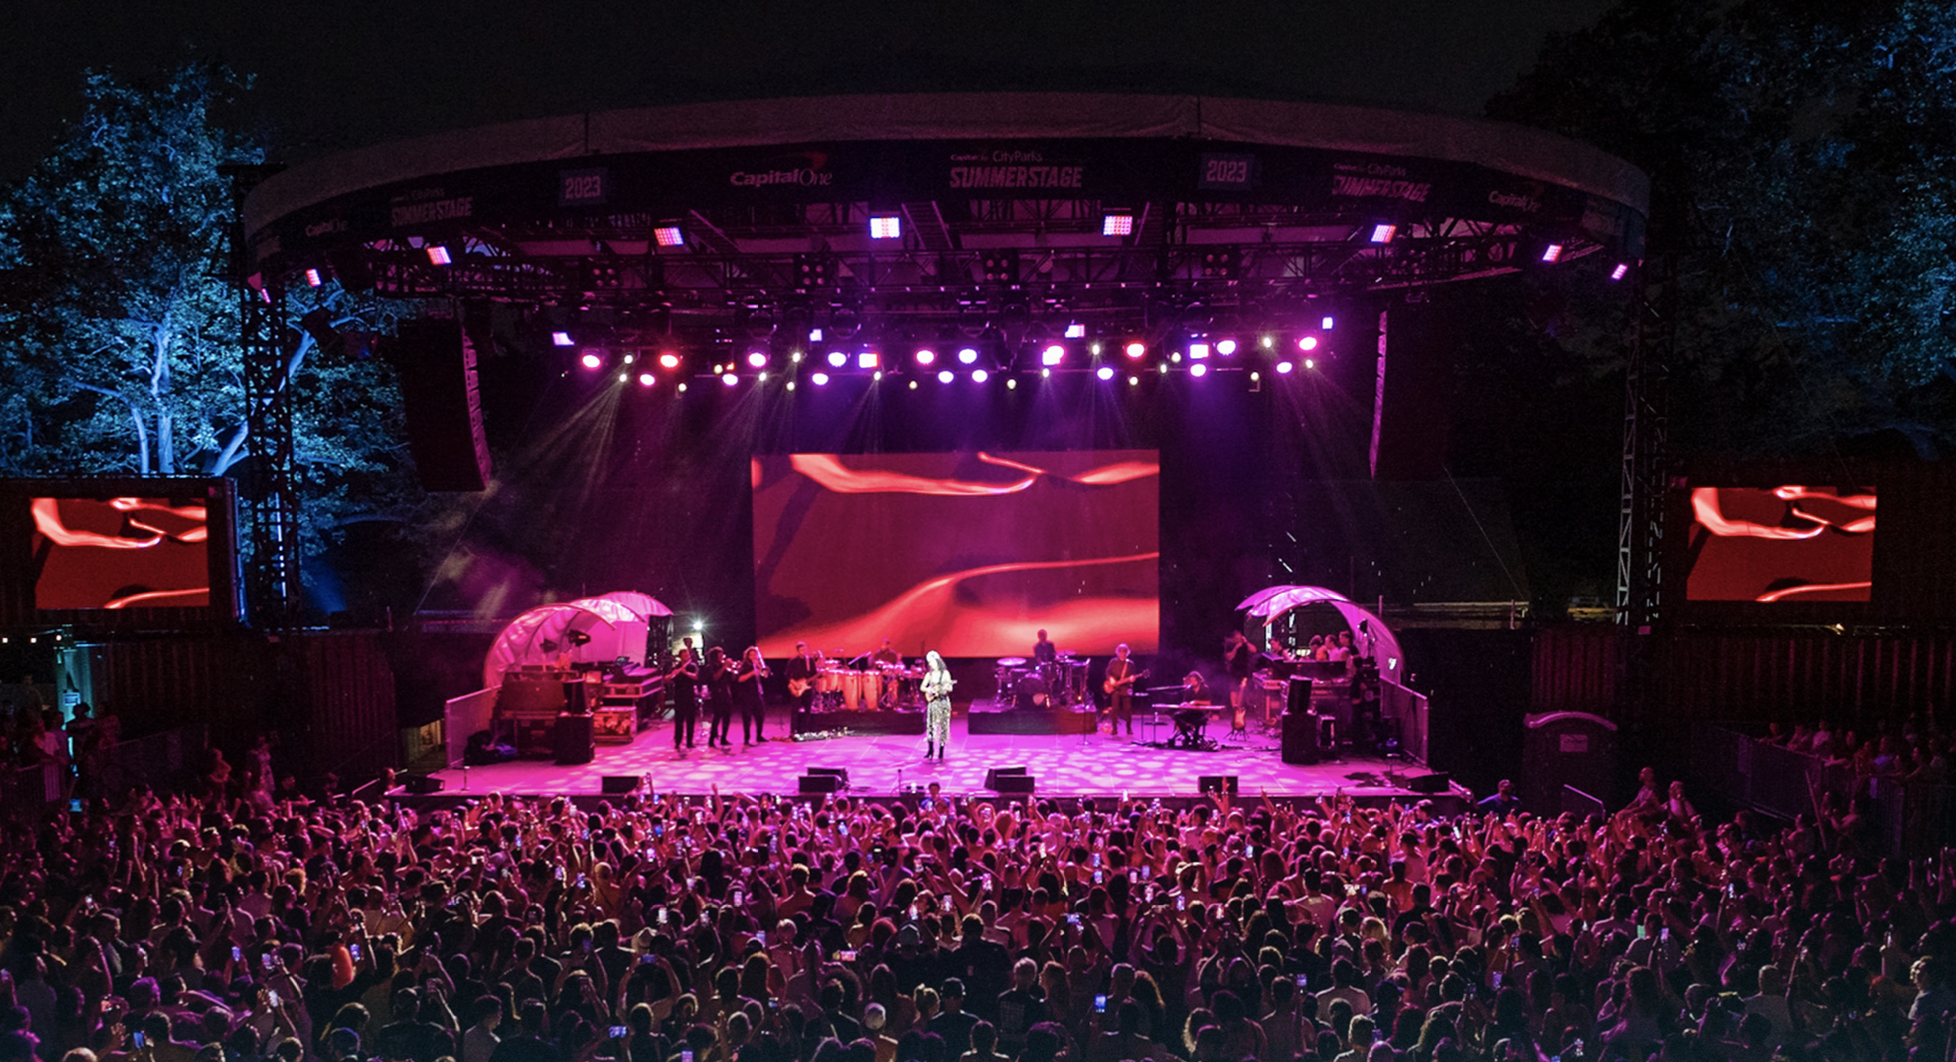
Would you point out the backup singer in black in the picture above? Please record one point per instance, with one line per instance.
(748, 676)
(683, 680)
(719, 696)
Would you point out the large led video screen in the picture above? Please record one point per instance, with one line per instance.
(121, 552)
(1785, 544)
(970, 554)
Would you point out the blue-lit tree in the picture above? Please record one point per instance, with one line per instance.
(1804, 165)
(118, 333)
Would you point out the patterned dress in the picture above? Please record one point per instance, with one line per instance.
(937, 706)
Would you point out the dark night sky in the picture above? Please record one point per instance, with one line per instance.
(339, 75)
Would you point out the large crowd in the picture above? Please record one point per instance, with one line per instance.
(732, 927)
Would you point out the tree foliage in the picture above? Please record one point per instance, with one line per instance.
(118, 329)
(1803, 156)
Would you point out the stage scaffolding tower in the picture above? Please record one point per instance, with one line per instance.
(1640, 509)
(272, 590)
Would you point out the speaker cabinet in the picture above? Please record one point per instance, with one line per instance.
(573, 745)
(1297, 695)
(992, 776)
(436, 363)
(1300, 741)
(421, 784)
(1014, 783)
(620, 783)
(820, 783)
(1217, 783)
(1436, 782)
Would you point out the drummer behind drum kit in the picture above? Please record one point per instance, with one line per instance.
(1026, 684)
(880, 686)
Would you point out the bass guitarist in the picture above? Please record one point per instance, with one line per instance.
(1119, 687)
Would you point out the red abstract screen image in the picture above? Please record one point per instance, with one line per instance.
(1781, 544)
(117, 553)
(968, 554)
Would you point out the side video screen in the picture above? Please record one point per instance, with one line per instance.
(1781, 544)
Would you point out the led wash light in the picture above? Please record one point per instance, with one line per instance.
(438, 254)
(591, 361)
(757, 359)
(1384, 233)
(669, 360)
(669, 236)
(1117, 225)
(1136, 349)
(1622, 270)
(1052, 355)
(837, 359)
(926, 356)
(967, 356)
(562, 339)
(1552, 252)
(885, 227)
(313, 278)
(868, 359)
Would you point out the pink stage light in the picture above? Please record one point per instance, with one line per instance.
(669, 236)
(1226, 347)
(926, 356)
(313, 278)
(821, 379)
(1384, 233)
(1552, 252)
(1076, 330)
(1327, 324)
(757, 359)
(1308, 343)
(868, 359)
(1622, 270)
(1105, 372)
(838, 359)
(1199, 369)
(885, 227)
(562, 339)
(590, 360)
(1310, 363)
(1284, 366)
(645, 379)
(1052, 355)
(980, 376)
(945, 376)
(729, 379)
(438, 254)
(966, 356)
(1117, 225)
(669, 360)
(1198, 351)
(1136, 349)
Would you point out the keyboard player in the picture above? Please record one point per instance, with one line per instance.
(1188, 719)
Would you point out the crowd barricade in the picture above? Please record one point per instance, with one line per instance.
(1900, 818)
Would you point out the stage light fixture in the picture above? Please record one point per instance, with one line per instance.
(757, 359)
(1552, 252)
(980, 376)
(795, 357)
(1284, 367)
(669, 360)
(868, 359)
(562, 339)
(1226, 347)
(590, 360)
(1134, 381)
(313, 278)
(681, 388)
(1198, 351)
(1384, 233)
(1162, 368)
(1269, 342)
(762, 376)
(1199, 369)
(623, 376)
(1310, 363)
(1011, 384)
(1076, 330)
(1105, 372)
(814, 335)
(925, 356)
(438, 254)
(1046, 374)
(646, 379)
(877, 375)
(1326, 325)
(821, 379)
(669, 235)
(1118, 223)
(791, 385)
(885, 227)
(1136, 349)
(946, 376)
(1622, 270)
(1308, 343)
(1052, 355)
(967, 355)
(838, 359)
(729, 379)
(1255, 376)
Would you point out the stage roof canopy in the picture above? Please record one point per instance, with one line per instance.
(732, 222)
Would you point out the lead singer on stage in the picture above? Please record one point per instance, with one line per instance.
(937, 705)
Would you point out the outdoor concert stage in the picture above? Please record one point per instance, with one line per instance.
(880, 765)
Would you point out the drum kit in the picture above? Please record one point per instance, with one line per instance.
(868, 689)
(1030, 684)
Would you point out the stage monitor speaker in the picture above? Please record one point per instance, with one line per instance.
(1297, 695)
(832, 772)
(1436, 782)
(992, 776)
(1300, 736)
(421, 783)
(573, 739)
(1412, 405)
(442, 404)
(1217, 783)
(1014, 783)
(820, 783)
(621, 783)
